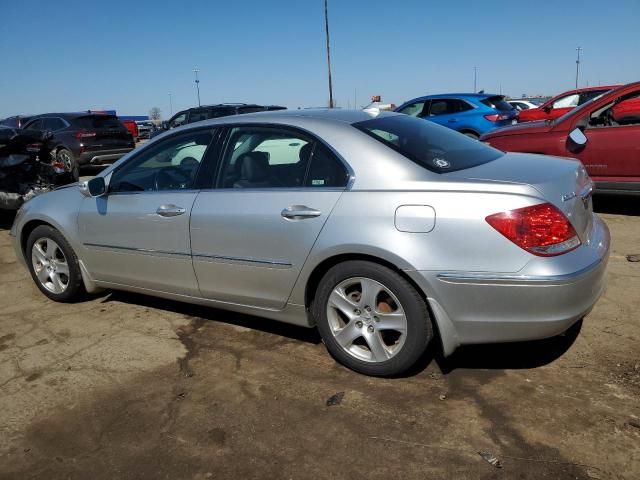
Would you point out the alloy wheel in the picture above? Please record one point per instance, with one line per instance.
(367, 319)
(50, 265)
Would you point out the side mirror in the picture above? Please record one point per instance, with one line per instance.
(548, 108)
(96, 187)
(165, 125)
(577, 139)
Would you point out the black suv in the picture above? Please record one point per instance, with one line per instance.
(84, 138)
(205, 112)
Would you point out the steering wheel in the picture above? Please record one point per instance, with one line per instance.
(172, 178)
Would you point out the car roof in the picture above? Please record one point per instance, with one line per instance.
(282, 116)
(71, 114)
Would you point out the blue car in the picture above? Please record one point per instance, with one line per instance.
(472, 114)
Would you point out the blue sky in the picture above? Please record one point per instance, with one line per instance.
(128, 55)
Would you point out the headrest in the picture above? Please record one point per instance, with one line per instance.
(254, 166)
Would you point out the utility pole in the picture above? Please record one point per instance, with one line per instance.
(195, 70)
(475, 79)
(170, 106)
(326, 27)
(579, 49)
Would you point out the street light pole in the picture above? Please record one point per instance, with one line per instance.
(579, 49)
(475, 78)
(326, 27)
(195, 70)
(170, 105)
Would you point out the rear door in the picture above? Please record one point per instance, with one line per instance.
(251, 235)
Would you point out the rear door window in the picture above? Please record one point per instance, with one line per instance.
(497, 103)
(35, 125)
(431, 146)
(326, 170)
(199, 115)
(53, 124)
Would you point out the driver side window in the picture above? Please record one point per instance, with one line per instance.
(568, 101)
(169, 165)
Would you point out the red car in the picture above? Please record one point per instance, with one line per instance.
(561, 104)
(604, 134)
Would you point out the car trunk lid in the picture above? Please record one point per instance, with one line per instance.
(559, 181)
(101, 132)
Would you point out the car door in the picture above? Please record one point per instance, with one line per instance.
(443, 112)
(138, 233)
(613, 143)
(251, 235)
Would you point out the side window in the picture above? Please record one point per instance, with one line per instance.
(413, 109)
(181, 119)
(198, 115)
(35, 125)
(258, 157)
(443, 106)
(325, 169)
(461, 106)
(170, 165)
(568, 101)
(53, 124)
(586, 96)
(623, 111)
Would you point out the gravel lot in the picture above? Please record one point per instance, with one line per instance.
(128, 386)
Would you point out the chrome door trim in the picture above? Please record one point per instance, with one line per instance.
(242, 260)
(144, 251)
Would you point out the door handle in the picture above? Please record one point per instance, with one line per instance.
(299, 212)
(170, 210)
(452, 120)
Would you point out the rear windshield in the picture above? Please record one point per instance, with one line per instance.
(97, 121)
(497, 103)
(431, 146)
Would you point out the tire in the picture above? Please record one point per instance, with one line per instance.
(45, 244)
(471, 135)
(70, 162)
(354, 340)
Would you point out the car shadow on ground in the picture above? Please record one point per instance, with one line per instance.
(294, 332)
(509, 356)
(617, 204)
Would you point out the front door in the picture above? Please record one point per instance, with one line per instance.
(612, 151)
(138, 233)
(251, 235)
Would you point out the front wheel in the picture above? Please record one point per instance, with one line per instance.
(371, 319)
(471, 135)
(53, 265)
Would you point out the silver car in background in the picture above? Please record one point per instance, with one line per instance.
(382, 230)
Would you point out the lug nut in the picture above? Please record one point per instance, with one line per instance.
(359, 324)
(367, 308)
(370, 328)
(357, 311)
(375, 318)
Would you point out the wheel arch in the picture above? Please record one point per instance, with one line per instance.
(469, 130)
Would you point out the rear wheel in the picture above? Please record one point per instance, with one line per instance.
(54, 265)
(70, 162)
(371, 319)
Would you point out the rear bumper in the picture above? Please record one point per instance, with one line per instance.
(542, 300)
(102, 157)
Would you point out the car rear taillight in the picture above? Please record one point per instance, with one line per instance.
(542, 229)
(496, 117)
(80, 135)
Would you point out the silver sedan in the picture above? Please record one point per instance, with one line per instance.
(383, 231)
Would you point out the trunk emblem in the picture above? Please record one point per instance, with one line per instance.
(569, 196)
(441, 163)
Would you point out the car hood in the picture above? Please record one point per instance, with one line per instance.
(539, 126)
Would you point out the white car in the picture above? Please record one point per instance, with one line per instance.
(522, 104)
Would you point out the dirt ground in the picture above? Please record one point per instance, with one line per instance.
(128, 386)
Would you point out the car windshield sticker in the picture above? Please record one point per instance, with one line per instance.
(317, 181)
